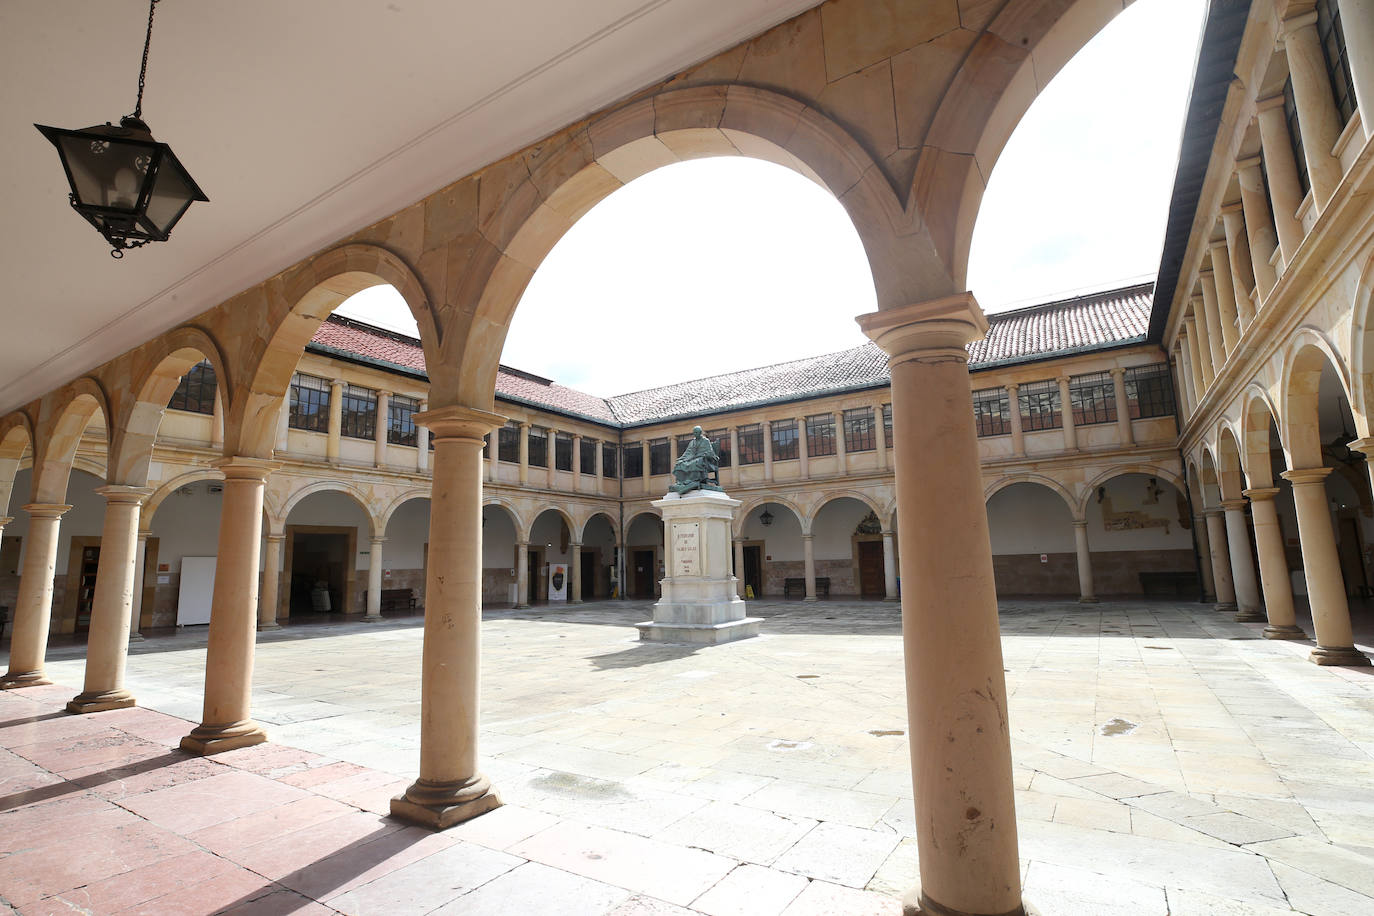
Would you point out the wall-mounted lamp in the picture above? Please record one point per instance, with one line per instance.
(766, 518)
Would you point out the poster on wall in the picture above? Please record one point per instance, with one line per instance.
(558, 582)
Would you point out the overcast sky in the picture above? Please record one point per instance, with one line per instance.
(716, 265)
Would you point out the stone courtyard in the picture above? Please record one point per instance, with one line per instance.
(1168, 761)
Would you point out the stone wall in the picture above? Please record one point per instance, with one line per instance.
(496, 584)
(843, 580)
(1115, 572)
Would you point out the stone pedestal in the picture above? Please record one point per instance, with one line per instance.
(699, 602)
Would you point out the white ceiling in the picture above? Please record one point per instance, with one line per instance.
(302, 120)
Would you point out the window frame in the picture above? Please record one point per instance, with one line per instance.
(860, 431)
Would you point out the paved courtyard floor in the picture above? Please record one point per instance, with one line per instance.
(1168, 761)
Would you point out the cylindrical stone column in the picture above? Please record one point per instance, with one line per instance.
(1357, 20)
(575, 575)
(381, 428)
(1195, 359)
(1248, 608)
(1282, 171)
(1322, 566)
(880, 435)
(1210, 351)
(1018, 438)
(739, 566)
(1185, 375)
(450, 788)
(551, 457)
(1273, 566)
(140, 582)
(1066, 414)
(889, 568)
(956, 691)
(576, 463)
(809, 566)
(735, 467)
(226, 722)
(768, 451)
(1318, 121)
(1217, 544)
(803, 449)
(1204, 548)
(33, 608)
(1086, 595)
(522, 574)
(1124, 430)
(525, 455)
(422, 443)
(1258, 227)
(1216, 339)
(1242, 271)
(841, 452)
(1226, 293)
(374, 574)
(331, 448)
(107, 645)
(271, 583)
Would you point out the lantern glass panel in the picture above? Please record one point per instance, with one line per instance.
(106, 172)
(172, 194)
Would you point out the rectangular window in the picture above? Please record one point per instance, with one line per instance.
(539, 447)
(750, 444)
(634, 460)
(1149, 391)
(400, 421)
(309, 403)
(1093, 398)
(359, 412)
(1290, 114)
(562, 452)
(1331, 34)
(1040, 405)
(991, 412)
(683, 442)
(784, 440)
(608, 467)
(820, 435)
(508, 443)
(588, 457)
(887, 425)
(860, 433)
(660, 458)
(196, 392)
(720, 438)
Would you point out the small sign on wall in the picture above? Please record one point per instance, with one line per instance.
(1044, 558)
(558, 582)
(687, 549)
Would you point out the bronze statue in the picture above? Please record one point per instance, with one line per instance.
(696, 466)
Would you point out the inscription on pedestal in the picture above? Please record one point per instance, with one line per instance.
(687, 549)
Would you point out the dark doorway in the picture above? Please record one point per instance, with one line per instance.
(319, 570)
(535, 594)
(753, 569)
(586, 576)
(643, 573)
(1349, 550)
(85, 596)
(871, 570)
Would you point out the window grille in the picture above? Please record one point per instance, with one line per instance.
(196, 391)
(784, 440)
(1332, 37)
(750, 444)
(400, 420)
(820, 435)
(660, 458)
(309, 407)
(508, 443)
(720, 438)
(359, 414)
(887, 425)
(1093, 398)
(991, 414)
(562, 452)
(859, 432)
(1039, 405)
(588, 458)
(608, 463)
(634, 460)
(684, 441)
(539, 447)
(1149, 391)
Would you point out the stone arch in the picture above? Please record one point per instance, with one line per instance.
(384, 517)
(167, 489)
(526, 532)
(1229, 477)
(1307, 354)
(158, 370)
(581, 531)
(830, 496)
(68, 411)
(308, 294)
(516, 517)
(1362, 351)
(325, 486)
(757, 501)
(1208, 481)
(16, 442)
(1049, 483)
(1148, 470)
(1256, 413)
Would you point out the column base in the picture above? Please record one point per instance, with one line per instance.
(101, 700)
(24, 679)
(135, 636)
(205, 740)
(373, 618)
(1288, 632)
(270, 625)
(1253, 615)
(810, 598)
(1088, 600)
(575, 601)
(1339, 656)
(915, 903)
(520, 607)
(439, 806)
(891, 598)
(1227, 607)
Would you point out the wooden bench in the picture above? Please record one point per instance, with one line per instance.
(797, 587)
(1180, 584)
(395, 599)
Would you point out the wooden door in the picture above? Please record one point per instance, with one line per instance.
(85, 596)
(871, 570)
(643, 573)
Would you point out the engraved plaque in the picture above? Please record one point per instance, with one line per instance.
(687, 549)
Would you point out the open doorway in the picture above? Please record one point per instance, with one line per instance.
(318, 560)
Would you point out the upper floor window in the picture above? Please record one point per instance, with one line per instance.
(1039, 405)
(750, 443)
(1093, 397)
(608, 463)
(400, 420)
(1290, 114)
(562, 452)
(359, 414)
(634, 459)
(991, 412)
(860, 435)
(720, 438)
(887, 425)
(784, 440)
(1332, 36)
(820, 435)
(683, 441)
(1149, 391)
(660, 459)
(508, 443)
(587, 447)
(309, 403)
(539, 447)
(196, 392)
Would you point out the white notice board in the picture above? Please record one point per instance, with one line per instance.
(197, 585)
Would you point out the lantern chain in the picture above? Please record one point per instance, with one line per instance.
(143, 70)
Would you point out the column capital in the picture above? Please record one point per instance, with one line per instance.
(377, 540)
(1233, 505)
(522, 543)
(1248, 163)
(1012, 387)
(5, 520)
(936, 329)
(525, 424)
(1364, 446)
(1306, 476)
(240, 468)
(1204, 276)
(1294, 23)
(1213, 511)
(1214, 244)
(337, 382)
(276, 537)
(575, 544)
(807, 537)
(1080, 523)
(888, 532)
(1062, 379)
(115, 493)
(1190, 320)
(1235, 209)
(458, 422)
(576, 436)
(737, 540)
(1269, 103)
(1260, 494)
(1117, 371)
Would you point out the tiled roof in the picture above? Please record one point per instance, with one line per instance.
(1102, 320)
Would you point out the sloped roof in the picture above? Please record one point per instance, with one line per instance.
(1104, 320)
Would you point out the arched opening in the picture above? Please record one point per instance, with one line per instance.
(1034, 554)
(406, 553)
(773, 551)
(1140, 532)
(179, 398)
(549, 557)
(847, 544)
(500, 555)
(598, 575)
(324, 572)
(644, 556)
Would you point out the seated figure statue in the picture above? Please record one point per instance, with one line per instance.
(695, 466)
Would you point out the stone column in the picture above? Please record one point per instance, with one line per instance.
(803, 449)
(140, 583)
(217, 423)
(1182, 353)
(600, 475)
(283, 427)
(271, 584)
(1221, 560)
(768, 451)
(1258, 227)
(889, 568)
(1226, 293)
(1322, 565)
(1216, 337)
(331, 449)
(450, 788)
(525, 455)
(551, 457)
(107, 645)
(1204, 547)
(1123, 407)
(1066, 414)
(841, 453)
(577, 463)
(33, 607)
(1208, 349)
(1273, 566)
(1242, 271)
(955, 688)
(381, 427)
(374, 576)
(644, 463)
(735, 466)
(422, 443)
(522, 574)
(1279, 166)
(1248, 607)
(1195, 360)
(226, 722)
(1357, 19)
(1085, 562)
(739, 566)
(575, 575)
(880, 439)
(1318, 121)
(809, 566)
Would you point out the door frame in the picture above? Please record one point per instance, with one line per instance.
(350, 564)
